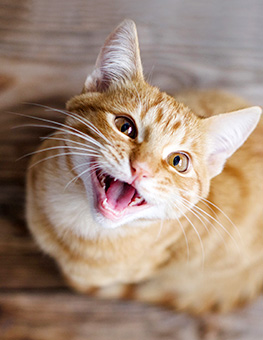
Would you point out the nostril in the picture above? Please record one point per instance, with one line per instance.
(140, 169)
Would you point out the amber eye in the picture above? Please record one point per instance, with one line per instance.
(179, 160)
(126, 126)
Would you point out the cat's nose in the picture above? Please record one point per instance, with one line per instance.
(140, 170)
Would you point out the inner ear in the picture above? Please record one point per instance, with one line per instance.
(119, 59)
(226, 133)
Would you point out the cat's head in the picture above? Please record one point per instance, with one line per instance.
(147, 156)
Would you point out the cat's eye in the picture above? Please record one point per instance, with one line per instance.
(126, 126)
(179, 160)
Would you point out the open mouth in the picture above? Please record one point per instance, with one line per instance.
(116, 198)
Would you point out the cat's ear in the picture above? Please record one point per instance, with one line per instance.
(118, 60)
(226, 133)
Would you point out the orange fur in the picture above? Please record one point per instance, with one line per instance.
(194, 260)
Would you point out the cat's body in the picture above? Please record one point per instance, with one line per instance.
(194, 260)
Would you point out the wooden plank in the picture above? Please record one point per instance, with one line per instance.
(22, 265)
(64, 316)
(204, 44)
(69, 316)
(46, 50)
(18, 137)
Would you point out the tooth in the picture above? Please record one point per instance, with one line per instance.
(101, 178)
(136, 201)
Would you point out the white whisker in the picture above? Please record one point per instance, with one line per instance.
(199, 216)
(160, 230)
(185, 236)
(90, 169)
(74, 179)
(76, 117)
(190, 208)
(66, 130)
(57, 148)
(62, 154)
(217, 221)
(207, 203)
(197, 233)
(66, 140)
(221, 226)
(63, 127)
(90, 162)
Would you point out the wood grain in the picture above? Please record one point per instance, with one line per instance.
(64, 316)
(46, 50)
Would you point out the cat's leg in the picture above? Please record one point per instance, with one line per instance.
(206, 293)
(111, 291)
(197, 295)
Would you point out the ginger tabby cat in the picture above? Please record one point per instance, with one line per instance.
(141, 195)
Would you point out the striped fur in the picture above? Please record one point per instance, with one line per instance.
(198, 245)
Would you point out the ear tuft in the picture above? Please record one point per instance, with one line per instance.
(226, 133)
(118, 60)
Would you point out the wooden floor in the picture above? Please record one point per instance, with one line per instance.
(46, 50)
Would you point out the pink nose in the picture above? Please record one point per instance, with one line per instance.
(140, 170)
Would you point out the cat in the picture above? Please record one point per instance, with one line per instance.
(146, 196)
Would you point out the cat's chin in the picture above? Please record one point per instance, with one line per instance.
(116, 202)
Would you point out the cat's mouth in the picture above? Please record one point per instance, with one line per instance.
(115, 198)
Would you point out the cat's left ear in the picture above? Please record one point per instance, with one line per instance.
(226, 133)
(118, 60)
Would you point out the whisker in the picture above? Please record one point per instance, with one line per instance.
(209, 215)
(160, 230)
(77, 134)
(221, 226)
(149, 75)
(190, 208)
(202, 212)
(66, 129)
(55, 148)
(61, 154)
(85, 137)
(207, 203)
(185, 236)
(76, 117)
(199, 216)
(197, 233)
(87, 163)
(100, 171)
(74, 179)
(67, 140)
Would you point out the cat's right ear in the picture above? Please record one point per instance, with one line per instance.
(119, 59)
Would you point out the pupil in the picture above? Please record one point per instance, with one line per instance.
(125, 127)
(176, 160)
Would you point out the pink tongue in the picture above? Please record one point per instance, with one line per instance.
(119, 195)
